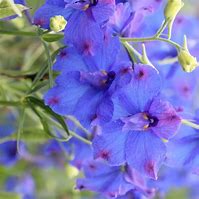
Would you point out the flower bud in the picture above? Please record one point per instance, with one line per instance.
(187, 61)
(57, 23)
(172, 8)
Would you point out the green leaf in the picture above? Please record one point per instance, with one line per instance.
(44, 70)
(52, 37)
(7, 195)
(44, 123)
(6, 10)
(48, 110)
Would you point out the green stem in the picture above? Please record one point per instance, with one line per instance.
(150, 39)
(161, 29)
(78, 124)
(189, 123)
(132, 52)
(50, 63)
(22, 33)
(10, 103)
(80, 138)
(18, 33)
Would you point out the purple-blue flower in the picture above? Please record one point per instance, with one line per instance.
(141, 120)
(9, 154)
(85, 82)
(111, 181)
(183, 149)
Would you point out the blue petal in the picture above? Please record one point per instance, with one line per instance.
(83, 32)
(9, 154)
(64, 97)
(69, 60)
(183, 152)
(136, 96)
(169, 122)
(110, 180)
(103, 10)
(145, 152)
(44, 13)
(110, 144)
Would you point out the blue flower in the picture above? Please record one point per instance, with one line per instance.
(98, 11)
(85, 20)
(141, 120)
(85, 82)
(111, 181)
(183, 149)
(7, 123)
(9, 154)
(24, 185)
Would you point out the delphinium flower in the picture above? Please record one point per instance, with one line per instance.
(112, 181)
(84, 83)
(7, 122)
(129, 21)
(141, 121)
(24, 185)
(100, 10)
(183, 149)
(85, 19)
(170, 179)
(8, 151)
(181, 89)
(177, 180)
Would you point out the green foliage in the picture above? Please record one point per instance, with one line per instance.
(7, 9)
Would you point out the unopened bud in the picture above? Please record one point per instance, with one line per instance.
(172, 8)
(57, 23)
(187, 61)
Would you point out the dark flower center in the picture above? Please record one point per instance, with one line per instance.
(12, 151)
(110, 78)
(153, 121)
(93, 2)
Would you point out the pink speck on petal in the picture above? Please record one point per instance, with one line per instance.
(53, 101)
(104, 155)
(39, 22)
(150, 169)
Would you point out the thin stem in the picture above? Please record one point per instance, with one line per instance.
(161, 29)
(189, 123)
(80, 138)
(131, 49)
(50, 63)
(10, 103)
(22, 33)
(78, 124)
(18, 33)
(150, 39)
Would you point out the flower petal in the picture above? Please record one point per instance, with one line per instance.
(110, 144)
(169, 121)
(145, 152)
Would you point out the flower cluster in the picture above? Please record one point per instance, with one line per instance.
(130, 109)
(118, 100)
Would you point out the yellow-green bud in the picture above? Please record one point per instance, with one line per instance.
(172, 8)
(57, 23)
(187, 61)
